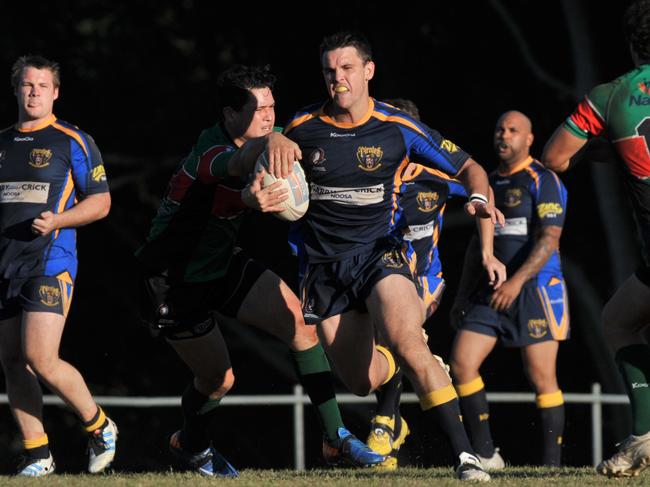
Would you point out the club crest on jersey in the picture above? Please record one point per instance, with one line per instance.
(50, 295)
(369, 158)
(537, 328)
(40, 158)
(513, 197)
(427, 201)
(392, 259)
(449, 146)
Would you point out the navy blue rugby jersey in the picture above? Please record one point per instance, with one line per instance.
(530, 197)
(423, 197)
(354, 174)
(42, 169)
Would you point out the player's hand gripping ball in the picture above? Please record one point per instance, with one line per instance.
(295, 206)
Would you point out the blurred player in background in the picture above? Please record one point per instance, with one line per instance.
(530, 309)
(620, 112)
(423, 197)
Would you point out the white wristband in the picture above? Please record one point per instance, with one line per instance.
(478, 197)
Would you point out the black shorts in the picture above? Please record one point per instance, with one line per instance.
(332, 288)
(43, 293)
(172, 306)
(540, 313)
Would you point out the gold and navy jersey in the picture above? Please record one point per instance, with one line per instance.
(423, 198)
(530, 197)
(43, 169)
(354, 174)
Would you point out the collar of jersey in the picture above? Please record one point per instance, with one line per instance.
(347, 125)
(48, 121)
(522, 165)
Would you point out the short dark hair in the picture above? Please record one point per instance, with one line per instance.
(38, 62)
(636, 25)
(234, 84)
(347, 38)
(406, 106)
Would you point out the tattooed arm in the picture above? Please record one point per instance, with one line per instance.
(547, 242)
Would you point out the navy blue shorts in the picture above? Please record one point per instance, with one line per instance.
(43, 293)
(538, 314)
(332, 288)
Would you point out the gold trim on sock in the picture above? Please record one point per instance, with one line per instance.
(550, 400)
(36, 442)
(438, 397)
(471, 387)
(98, 423)
(392, 367)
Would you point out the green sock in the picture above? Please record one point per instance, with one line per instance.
(316, 378)
(634, 363)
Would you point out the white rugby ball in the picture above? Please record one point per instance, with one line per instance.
(295, 206)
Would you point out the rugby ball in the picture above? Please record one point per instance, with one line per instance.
(295, 206)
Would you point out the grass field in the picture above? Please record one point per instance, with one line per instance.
(406, 477)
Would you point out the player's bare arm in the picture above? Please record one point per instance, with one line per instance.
(91, 208)
(547, 243)
(559, 150)
(474, 179)
(281, 150)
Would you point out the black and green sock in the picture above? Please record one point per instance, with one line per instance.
(634, 363)
(316, 379)
(198, 411)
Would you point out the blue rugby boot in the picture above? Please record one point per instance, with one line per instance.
(208, 462)
(349, 451)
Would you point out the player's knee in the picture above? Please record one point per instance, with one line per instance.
(544, 379)
(216, 386)
(462, 370)
(43, 365)
(362, 386)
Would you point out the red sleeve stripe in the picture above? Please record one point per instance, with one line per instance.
(204, 171)
(179, 185)
(587, 118)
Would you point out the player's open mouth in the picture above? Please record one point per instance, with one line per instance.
(341, 89)
(502, 146)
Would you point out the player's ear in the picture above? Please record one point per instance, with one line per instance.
(369, 70)
(529, 139)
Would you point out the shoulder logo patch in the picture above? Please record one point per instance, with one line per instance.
(449, 146)
(99, 173)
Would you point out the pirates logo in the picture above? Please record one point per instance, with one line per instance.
(537, 328)
(369, 158)
(317, 157)
(392, 259)
(40, 158)
(513, 198)
(50, 295)
(427, 202)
